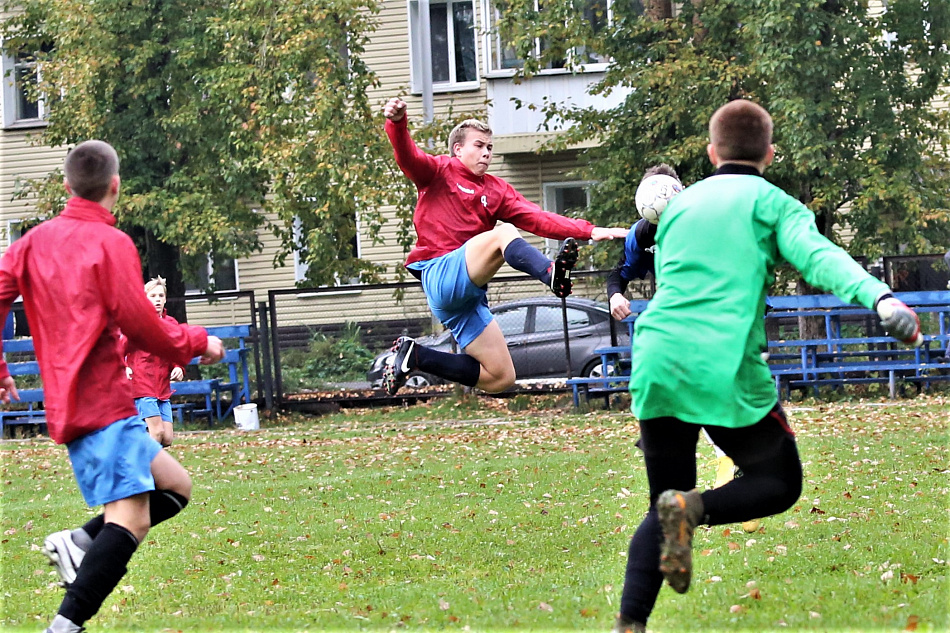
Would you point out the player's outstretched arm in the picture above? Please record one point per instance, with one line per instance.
(599, 233)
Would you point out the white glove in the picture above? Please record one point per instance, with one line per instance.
(899, 321)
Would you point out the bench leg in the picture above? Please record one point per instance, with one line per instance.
(892, 384)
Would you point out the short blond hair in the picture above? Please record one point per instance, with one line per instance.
(460, 132)
(155, 282)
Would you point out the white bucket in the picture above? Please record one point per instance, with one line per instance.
(245, 417)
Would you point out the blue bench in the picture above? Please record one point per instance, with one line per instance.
(615, 361)
(834, 359)
(236, 386)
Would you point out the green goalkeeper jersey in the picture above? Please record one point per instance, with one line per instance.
(697, 347)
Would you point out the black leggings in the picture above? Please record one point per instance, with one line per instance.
(771, 482)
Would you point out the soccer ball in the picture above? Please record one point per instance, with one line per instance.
(653, 194)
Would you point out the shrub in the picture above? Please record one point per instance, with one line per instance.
(342, 358)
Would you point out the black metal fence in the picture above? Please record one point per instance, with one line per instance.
(313, 343)
(327, 340)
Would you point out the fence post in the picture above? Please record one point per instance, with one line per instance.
(275, 350)
(264, 346)
(567, 338)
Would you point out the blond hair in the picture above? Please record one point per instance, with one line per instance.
(154, 282)
(460, 132)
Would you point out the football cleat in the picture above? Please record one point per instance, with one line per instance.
(396, 373)
(562, 267)
(64, 555)
(680, 513)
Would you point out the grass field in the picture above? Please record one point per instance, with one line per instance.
(467, 516)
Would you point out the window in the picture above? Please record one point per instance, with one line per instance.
(21, 76)
(502, 55)
(219, 274)
(512, 321)
(300, 264)
(18, 228)
(550, 319)
(451, 45)
(563, 198)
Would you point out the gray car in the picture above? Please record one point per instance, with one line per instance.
(534, 331)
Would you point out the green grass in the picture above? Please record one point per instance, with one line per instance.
(463, 513)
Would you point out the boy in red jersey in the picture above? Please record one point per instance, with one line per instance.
(465, 223)
(152, 375)
(80, 279)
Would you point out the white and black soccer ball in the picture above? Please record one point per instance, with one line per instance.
(654, 193)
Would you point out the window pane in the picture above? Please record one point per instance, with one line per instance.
(569, 198)
(549, 319)
(26, 107)
(464, 24)
(512, 321)
(439, 36)
(225, 274)
(503, 54)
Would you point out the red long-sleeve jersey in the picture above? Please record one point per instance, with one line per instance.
(455, 205)
(81, 282)
(151, 374)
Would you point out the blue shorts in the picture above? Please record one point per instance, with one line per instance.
(458, 303)
(150, 407)
(114, 462)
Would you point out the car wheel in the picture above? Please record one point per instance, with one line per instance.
(595, 369)
(415, 380)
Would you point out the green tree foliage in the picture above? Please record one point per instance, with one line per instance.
(222, 109)
(850, 91)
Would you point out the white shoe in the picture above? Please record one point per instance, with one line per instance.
(64, 555)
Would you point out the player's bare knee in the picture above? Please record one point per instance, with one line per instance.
(183, 487)
(505, 233)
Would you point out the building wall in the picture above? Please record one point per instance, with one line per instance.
(21, 158)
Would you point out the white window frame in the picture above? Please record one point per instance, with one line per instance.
(492, 44)
(415, 53)
(301, 266)
(210, 271)
(11, 93)
(548, 197)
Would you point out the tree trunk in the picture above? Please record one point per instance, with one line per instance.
(658, 9)
(809, 328)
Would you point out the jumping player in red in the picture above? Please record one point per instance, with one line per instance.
(152, 375)
(80, 279)
(467, 223)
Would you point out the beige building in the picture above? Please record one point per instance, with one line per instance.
(470, 71)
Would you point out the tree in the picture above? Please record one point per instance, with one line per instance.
(220, 110)
(851, 93)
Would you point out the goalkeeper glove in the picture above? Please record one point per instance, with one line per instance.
(898, 320)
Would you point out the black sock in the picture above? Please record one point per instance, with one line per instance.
(103, 567)
(522, 256)
(460, 368)
(164, 504)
